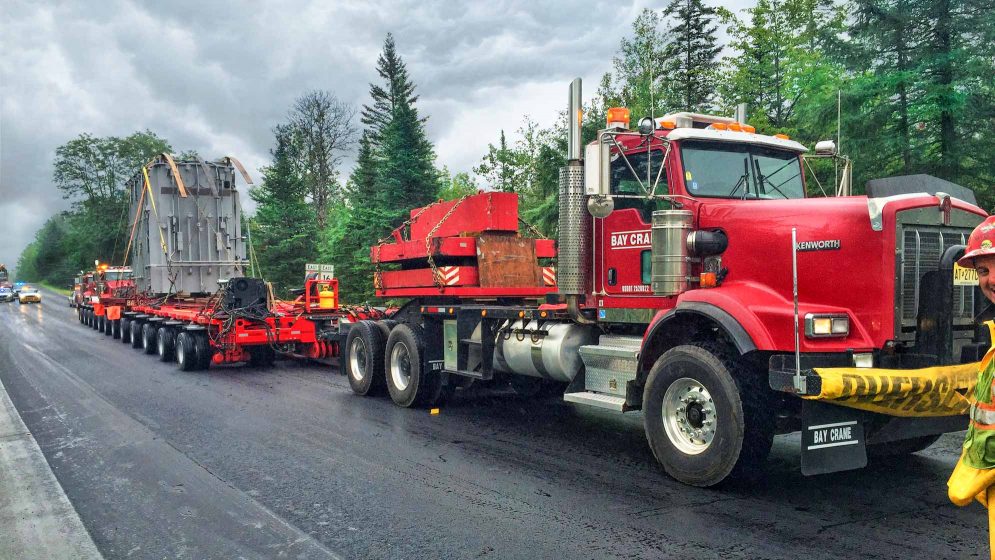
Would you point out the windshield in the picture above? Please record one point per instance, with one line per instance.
(116, 275)
(713, 169)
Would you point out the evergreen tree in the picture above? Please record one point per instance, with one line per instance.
(284, 224)
(395, 173)
(922, 98)
(780, 60)
(691, 54)
(638, 68)
(397, 91)
(498, 167)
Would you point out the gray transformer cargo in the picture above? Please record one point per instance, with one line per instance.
(186, 244)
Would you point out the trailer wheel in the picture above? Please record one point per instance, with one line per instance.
(707, 416)
(80, 314)
(116, 330)
(149, 338)
(165, 344)
(125, 328)
(408, 379)
(136, 334)
(203, 349)
(186, 353)
(108, 327)
(261, 356)
(364, 357)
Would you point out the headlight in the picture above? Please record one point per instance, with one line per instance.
(826, 325)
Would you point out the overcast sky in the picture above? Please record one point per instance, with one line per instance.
(217, 76)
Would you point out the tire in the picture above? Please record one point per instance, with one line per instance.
(186, 352)
(116, 329)
(408, 379)
(364, 357)
(125, 329)
(149, 338)
(165, 341)
(79, 314)
(385, 327)
(261, 356)
(136, 334)
(101, 324)
(202, 346)
(108, 327)
(93, 320)
(723, 430)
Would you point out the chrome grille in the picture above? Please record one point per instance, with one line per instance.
(922, 247)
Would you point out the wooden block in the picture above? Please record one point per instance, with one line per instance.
(507, 261)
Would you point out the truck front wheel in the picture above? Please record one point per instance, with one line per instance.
(707, 416)
(364, 357)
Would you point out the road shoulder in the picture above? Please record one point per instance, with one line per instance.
(37, 517)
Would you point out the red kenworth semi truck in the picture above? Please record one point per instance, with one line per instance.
(698, 282)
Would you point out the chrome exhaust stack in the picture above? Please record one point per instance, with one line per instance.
(574, 248)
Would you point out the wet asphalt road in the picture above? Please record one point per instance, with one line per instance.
(288, 463)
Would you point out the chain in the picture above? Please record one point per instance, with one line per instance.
(436, 276)
(377, 273)
(535, 231)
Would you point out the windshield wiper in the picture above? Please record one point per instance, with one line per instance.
(761, 180)
(744, 179)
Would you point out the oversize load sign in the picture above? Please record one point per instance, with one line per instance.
(936, 391)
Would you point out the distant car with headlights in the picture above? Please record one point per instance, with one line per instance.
(28, 294)
(6, 294)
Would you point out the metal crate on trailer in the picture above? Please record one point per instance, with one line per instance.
(188, 236)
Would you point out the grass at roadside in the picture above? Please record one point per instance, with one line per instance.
(62, 291)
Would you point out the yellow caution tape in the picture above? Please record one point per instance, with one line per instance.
(934, 391)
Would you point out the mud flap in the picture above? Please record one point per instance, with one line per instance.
(832, 439)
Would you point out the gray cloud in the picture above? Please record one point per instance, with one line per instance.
(216, 77)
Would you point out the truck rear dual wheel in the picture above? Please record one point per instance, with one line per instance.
(409, 380)
(707, 415)
(165, 344)
(364, 357)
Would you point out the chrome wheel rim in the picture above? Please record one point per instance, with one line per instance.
(358, 359)
(400, 366)
(689, 416)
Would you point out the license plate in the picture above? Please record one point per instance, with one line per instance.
(965, 276)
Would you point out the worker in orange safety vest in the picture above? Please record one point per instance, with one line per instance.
(974, 476)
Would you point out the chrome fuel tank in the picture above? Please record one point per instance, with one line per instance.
(547, 349)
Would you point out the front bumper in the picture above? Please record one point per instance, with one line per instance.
(30, 299)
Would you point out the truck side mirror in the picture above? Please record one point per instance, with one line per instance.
(597, 161)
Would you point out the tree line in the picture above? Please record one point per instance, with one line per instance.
(907, 81)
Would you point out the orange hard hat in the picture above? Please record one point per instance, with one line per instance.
(980, 243)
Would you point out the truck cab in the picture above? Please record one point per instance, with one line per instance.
(710, 257)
